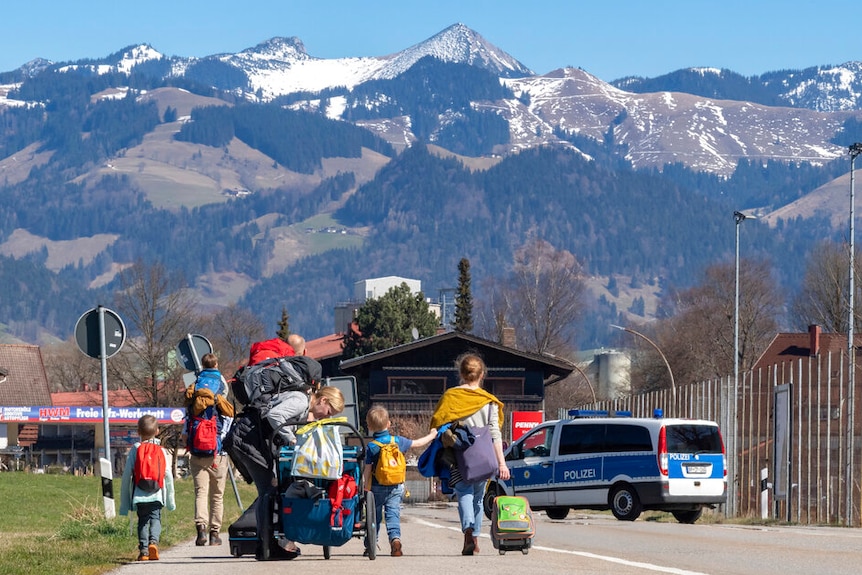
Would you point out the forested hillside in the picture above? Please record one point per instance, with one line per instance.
(428, 212)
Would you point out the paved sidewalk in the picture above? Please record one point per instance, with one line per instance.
(432, 542)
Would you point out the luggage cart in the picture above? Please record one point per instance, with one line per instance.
(309, 520)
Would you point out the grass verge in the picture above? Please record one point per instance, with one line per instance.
(56, 524)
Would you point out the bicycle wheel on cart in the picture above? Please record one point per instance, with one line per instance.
(370, 526)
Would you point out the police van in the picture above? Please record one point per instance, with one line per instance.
(624, 464)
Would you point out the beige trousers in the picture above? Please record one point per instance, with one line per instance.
(210, 476)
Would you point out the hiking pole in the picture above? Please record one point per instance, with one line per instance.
(233, 484)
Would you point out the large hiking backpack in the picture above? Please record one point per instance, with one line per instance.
(256, 384)
(150, 467)
(391, 468)
(205, 429)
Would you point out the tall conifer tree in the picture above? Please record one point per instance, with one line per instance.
(283, 325)
(464, 299)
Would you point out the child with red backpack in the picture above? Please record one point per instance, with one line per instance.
(147, 487)
(385, 456)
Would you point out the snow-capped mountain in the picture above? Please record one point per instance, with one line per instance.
(666, 127)
(711, 131)
(282, 66)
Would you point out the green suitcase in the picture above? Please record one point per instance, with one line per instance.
(512, 526)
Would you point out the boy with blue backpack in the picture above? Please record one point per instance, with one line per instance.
(208, 419)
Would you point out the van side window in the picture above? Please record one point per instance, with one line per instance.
(628, 438)
(693, 439)
(538, 444)
(587, 438)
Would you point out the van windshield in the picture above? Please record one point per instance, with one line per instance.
(693, 439)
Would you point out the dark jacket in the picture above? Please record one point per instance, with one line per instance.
(248, 443)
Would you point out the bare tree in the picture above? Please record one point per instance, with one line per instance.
(232, 330)
(822, 298)
(68, 368)
(493, 308)
(698, 340)
(158, 313)
(547, 297)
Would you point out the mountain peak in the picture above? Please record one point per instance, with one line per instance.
(459, 43)
(279, 48)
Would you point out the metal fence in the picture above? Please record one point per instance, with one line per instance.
(811, 475)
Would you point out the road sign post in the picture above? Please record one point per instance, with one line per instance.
(100, 334)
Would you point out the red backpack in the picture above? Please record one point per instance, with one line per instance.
(150, 467)
(339, 490)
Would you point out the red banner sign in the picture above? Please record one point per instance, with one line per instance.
(524, 421)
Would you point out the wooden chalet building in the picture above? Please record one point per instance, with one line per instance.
(410, 378)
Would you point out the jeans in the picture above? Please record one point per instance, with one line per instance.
(470, 496)
(387, 504)
(149, 524)
(210, 476)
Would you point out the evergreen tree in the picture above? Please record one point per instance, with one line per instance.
(283, 325)
(464, 299)
(388, 321)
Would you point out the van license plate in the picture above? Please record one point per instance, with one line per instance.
(697, 469)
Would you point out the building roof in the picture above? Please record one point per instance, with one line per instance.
(25, 381)
(325, 347)
(786, 347)
(495, 354)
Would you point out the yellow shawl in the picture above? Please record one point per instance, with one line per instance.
(460, 402)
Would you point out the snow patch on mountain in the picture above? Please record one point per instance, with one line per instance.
(137, 55)
(282, 66)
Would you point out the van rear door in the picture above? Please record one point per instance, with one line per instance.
(695, 459)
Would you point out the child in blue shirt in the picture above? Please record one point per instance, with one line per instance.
(387, 498)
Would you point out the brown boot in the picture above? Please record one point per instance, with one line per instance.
(469, 542)
(475, 545)
(202, 536)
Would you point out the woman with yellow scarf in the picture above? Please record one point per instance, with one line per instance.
(469, 404)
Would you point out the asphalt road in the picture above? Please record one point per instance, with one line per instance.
(581, 544)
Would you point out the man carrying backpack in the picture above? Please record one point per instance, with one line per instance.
(208, 419)
(385, 455)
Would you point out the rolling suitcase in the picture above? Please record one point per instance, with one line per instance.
(242, 533)
(512, 526)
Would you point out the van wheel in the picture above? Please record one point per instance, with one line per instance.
(558, 513)
(625, 503)
(488, 499)
(687, 516)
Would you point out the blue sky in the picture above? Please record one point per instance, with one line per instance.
(607, 39)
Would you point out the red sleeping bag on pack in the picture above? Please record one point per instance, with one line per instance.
(269, 349)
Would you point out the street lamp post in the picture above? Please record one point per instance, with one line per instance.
(667, 365)
(855, 150)
(738, 217)
(733, 416)
(579, 370)
(589, 383)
